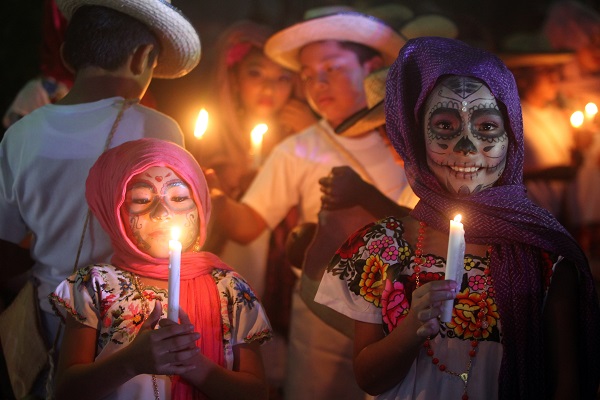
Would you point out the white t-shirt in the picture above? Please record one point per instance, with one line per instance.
(290, 175)
(44, 162)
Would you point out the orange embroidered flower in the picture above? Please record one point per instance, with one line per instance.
(372, 278)
(465, 317)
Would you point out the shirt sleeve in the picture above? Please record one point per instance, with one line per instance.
(276, 188)
(12, 228)
(246, 320)
(77, 296)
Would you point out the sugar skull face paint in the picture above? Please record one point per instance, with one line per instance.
(465, 138)
(156, 201)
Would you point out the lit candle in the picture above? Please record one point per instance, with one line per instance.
(256, 137)
(454, 261)
(577, 119)
(590, 111)
(174, 274)
(201, 124)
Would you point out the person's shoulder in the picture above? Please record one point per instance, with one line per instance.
(159, 125)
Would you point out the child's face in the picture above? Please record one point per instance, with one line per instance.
(156, 201)
(333, 80)
(465, 138)
(263, 86)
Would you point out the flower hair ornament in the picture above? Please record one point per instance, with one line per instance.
(237, 52)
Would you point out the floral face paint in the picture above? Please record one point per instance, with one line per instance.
(465, 139)
(156, 201)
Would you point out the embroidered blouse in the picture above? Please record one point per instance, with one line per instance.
(105, 298)
(371, 279)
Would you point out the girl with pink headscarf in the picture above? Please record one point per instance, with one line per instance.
(138, 192)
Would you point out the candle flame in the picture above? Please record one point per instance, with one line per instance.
(590, 110)
(577, 119)
(201, 124)
(457, 218)
(257, 133)
(175, 232)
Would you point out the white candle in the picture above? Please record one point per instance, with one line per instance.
(174, 275)
(454, 261)
(256, 137)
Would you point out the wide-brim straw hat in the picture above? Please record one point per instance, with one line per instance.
(373, 115)
(524, 50)
(284, 46)
(180, 43)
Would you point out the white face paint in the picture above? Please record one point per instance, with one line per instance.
(465, 139)
(157, 201)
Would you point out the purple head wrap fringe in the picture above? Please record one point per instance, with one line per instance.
(501, 216)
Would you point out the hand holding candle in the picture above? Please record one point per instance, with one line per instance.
(454, 261)
(174, 275)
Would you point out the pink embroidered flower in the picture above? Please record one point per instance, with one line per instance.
(477, 282)
(390, 253)
(394, 304)
(236, 53)
(375, 246)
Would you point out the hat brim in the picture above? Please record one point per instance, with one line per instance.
(521, 60)
(180, 43)
(363, 121)
(429, 25)
(284, 46)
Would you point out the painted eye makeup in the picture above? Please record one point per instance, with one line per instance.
(445, 123)
(142, 198)
(487, 124)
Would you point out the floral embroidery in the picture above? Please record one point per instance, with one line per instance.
(372, 278)
(245, 294)
(464, 316)
(394, 304)
(120, 316)
(390, 253)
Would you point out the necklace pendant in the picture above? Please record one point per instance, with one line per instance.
(464, 376)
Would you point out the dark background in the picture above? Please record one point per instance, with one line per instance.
(484, 22)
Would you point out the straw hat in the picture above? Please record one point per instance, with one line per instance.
(521, 50)
(284, 46)
(180, 44)
(429, 25)
(373, 115)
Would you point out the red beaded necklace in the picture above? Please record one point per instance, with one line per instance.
(480, 324)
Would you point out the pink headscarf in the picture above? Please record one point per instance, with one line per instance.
(105, 192)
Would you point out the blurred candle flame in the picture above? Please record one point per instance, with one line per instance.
(457, 218)
(201, 124)
(577, 119)
(591, 110)
(257, 133)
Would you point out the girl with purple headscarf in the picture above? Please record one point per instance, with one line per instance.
(525, 309)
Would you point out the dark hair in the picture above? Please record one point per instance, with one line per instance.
(364, 53)
(102, 37)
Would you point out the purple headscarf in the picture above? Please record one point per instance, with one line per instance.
(501, 216)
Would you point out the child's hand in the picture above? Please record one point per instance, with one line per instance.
(342, 188)
(427, 305)
(165, 351)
